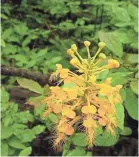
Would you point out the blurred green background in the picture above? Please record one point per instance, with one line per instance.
(36, 34)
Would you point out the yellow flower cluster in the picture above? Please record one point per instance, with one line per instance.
(88, 103)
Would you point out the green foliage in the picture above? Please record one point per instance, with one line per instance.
(77, 138)
(31, 85)
(16, 136)
(107, 139)
(34, 41)
(126, 131)
(25, 152)
(112, 43)
(120, 116)
(78, 151)
(131, 104)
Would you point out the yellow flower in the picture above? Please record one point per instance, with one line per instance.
(75, 62)
(72, 93)
(89, 109)
(68, 113)
(105, 90)
(89, 123)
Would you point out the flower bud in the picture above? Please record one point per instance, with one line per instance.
(87, 43)
(70, 52)
(74, 47)
(113, 63)
(102, 56)
(101, 44)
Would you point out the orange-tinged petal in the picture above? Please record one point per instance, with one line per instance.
(72, 93)
(56, 89)
(68, 79)
(101, 112)
(102, 121)
(64, 73)
(57, 108)
(69, 130)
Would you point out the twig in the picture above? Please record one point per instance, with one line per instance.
(42, 79)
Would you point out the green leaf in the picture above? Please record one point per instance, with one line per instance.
(131, 104)
(134, 86)
(23, 117)
(11, 151)
(31, 85)
(123, 94)
(15, 143)
(56, 59)
(38, 129)
(21, 28)
(119, 77)
(78, 151)
(112, 43)
(98, 131)
(120, 14)
(120, 115)
(103, 75)
(26, 152)
(4, 95)
(121, 35)
(106, 139)
(79, 139)
(89, 154)
(7, 121)
(3, 44)
(132, 10)
(6, 132)
(25, 135)
(53, 118)
(66, 147)
(4, 148)
(17, 126)
(130, 58)
(126, 131)
(7, 33)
